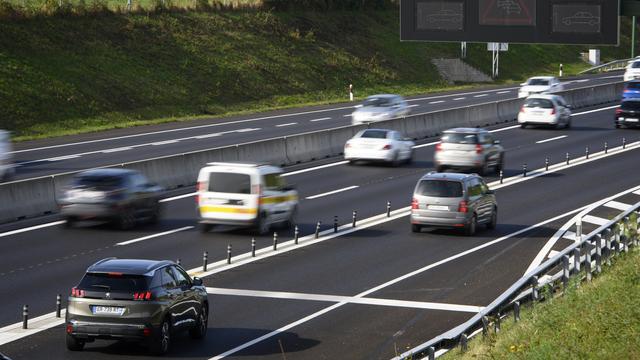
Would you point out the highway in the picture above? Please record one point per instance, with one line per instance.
(369, 292)
(71, 153)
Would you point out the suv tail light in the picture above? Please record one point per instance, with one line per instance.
(347, 145)
(463, 207)
(553, 111)
(522, 109)
(439, 147)
(142, 295)
(387, 147)
(414, 203)
(75, 292)
(618, 111)
(479, 149)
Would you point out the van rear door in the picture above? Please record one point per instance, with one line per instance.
(228, 196)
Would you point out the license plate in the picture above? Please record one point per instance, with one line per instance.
(631, 120)
(438, 207)
(107, 310)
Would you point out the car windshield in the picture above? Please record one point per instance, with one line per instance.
(538, 103)
(636, 64)
(374, 134)
(633, 85)
(440, 188)
(630, 105)
(377, 102)
(459, 138)
(114, 282)
(99, 182)
(538, 82)
(230, 183)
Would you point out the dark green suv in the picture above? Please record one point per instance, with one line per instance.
(132, 299)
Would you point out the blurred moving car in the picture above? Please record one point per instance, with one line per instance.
(254, 195)
(550, 110)
(380, 107)
(131, 299)
(631, 90)
(7, 168)
(469, 148)
(628, 114)
(379, 145)
(453, 200)
(119, 195)
(540, 85)
(632, 71)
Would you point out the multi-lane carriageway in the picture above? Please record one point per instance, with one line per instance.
(72, 153)
(365, 293)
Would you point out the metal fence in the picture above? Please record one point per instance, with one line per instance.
(610, 66)
(580, 260)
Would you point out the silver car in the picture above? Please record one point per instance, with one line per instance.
(380, 107)
(453, 200)
(469, 148)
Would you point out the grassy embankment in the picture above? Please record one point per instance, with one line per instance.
(67, 74)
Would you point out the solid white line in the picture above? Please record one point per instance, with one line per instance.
(59, 158)
(206, 136)
(116, 150)
(504, 128)
(458, 94)
(481, 95)
(315, 168)
(287, 124)
(596, 110)
(425, 145)
(582, 81)
(382, 286)
(347, 299)
(437, 102)
(348, 115)
(332, 192)
(594, 220)
(41, 226)
(503, 92)
(617, 205)
(460, 98)
(321, 119)
(414, 105)
(164, 142)
(178, 197)
(154, 236)
(551, 139)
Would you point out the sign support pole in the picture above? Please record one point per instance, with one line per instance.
(633, 37)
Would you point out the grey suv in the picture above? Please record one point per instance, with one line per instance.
(469, 148)
(132, 299)
(452, 200)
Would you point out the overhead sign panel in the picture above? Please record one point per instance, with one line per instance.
(512, 21)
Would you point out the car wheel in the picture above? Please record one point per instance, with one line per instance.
(484, 169)
(199, 331)
(162, 341)
(74, 344)
(205, 228)
(410, 158)
(156, 212)
(523, 126)
(440, 169)
(416, 228)
(126, 220)
(396, 160)
(494, 219)
(351, 162)
(470, 229)
(262, 225)
(568, 125)
(71, 221)
(617, 126)
(9, 174)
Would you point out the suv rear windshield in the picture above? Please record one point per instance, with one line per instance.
(538, 82)
(114, 282)
(630, 105)
(459, 138)
(538, 103)
(440, 188)
(230, 183)
(633, 85)
(99, 182)
(374, 134)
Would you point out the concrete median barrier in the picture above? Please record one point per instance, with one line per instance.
(21, 199)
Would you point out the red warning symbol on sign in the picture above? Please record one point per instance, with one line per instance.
(507, 12)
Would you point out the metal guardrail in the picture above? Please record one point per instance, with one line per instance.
(610, 66)
(589, 253)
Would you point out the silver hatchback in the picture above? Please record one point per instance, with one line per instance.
(469, 149)
(453, 200)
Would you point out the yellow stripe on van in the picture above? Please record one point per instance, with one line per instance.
(228, 209)
(278, 199)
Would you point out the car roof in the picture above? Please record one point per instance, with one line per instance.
(447, 176)
(128, 266)
(106, 172)
(464, 130)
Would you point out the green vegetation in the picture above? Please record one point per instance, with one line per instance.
(89, 70)
(597, 320)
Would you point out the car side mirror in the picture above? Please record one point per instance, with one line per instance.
(197, 281)
(496, 142)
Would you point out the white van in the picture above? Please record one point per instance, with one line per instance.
(6, 159)
(254, 195)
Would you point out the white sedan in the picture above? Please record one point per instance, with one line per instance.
(379, 145)
(540, 85)
(549, 110)
(379, 108)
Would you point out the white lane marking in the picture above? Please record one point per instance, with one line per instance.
(347, 299)
(617, 205)
(15, 331)
(60, 158)
(481, 95)
(570, 235)
(178, 197)
(460, 98)
(504, 128)
(315, 168)
(637, 192)
(436, 102)
(596, 110)
(164, 142)
(321, 119)
(425, 145)
(458, 94)
(594, 220)
(207, 136)
(611, 77)
(414, 105)
(348, 115)
(287, 124)
(332, 192)
(132, 241)
(242, 130)
(36, 227)
(503, 92)
(386, 284)
(551, 139)
(581, 81)
(108, 151)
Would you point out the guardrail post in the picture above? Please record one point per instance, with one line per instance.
(516, 311)
(496, 324)
(178, 261)
(205, 257)
(567, 158)
(296, 235)
(606, 147)
(25, 316)
(431, 353)
(524, 170)
(58, 305)
(485, 326)
(625, 238)
(546, 163)
(565, 271)
(317, 234)
(463, 343)
(354, 217)
(535, 292)
(586, 152)
(576, 260)
(598, 254)
(228, 253)
(501, 176)
(587, 263)
(624, 143)
(388, 208)
(335, 223)
(275, 241)
(616, 239)
(608, 246)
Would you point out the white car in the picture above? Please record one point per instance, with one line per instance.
(7, 168)
(549, 110)
(633, 71)
(540, 85)
(380, 107)
(379, 145)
